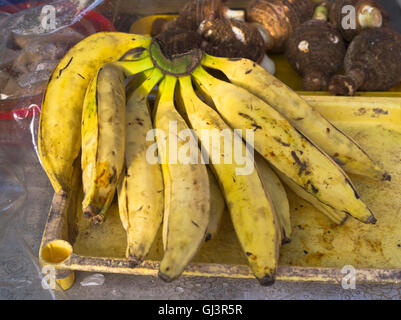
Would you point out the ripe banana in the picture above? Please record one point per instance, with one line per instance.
(140, 195)
(217, 207)
(251, 210)
(60, 121)
(217, 203)
(285, 147)
(103, 135)
(275, 189)
(345, 151)
(187, 191)
(334, 215)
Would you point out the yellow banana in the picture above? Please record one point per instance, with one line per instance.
(345, 151)
(285, 147)
(217, 204)
(140, 196)
(187, 191)
(251, 210)
(60, 120)
(334, 215)
(275, 189)
(103, 135)
(122, 203)
(217, 207)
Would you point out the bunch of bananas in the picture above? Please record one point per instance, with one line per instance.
(90, 116)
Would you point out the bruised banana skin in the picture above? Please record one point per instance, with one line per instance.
(217, 203)
(275, 189)
(343, 149)
(103, 135)
(140, 195)
(251, 210)
(284, 146)
(334, 215)
(187, 191)
(60, 121)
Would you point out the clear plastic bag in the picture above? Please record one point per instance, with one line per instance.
(30, 48)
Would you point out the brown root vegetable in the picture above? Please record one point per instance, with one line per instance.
(277, 19)
(372, 63)
(196, 11)
(218, 35)
(316, 50)
(175, 42)
(232, 39)
(368, 14)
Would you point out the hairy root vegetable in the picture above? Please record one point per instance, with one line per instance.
(196, 11)
(372, 63)
(368, 14)
(232, 39)
(277, 19)
(175, 42)
(220, 36)
(316, 50)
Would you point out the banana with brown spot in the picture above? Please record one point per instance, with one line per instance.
(299, 113)
(140, 195)
(285, 147)
(59, 141)
(250, 207)
(187, 190)
(103, 135)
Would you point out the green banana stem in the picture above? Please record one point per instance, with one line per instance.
(131, 68)
(178, 65)
(168, 88)
(202, 76)
(153, 77)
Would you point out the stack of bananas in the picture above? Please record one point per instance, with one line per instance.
(89, 114)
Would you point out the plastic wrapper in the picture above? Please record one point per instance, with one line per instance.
(28, 53)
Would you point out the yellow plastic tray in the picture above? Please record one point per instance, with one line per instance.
(318, 251)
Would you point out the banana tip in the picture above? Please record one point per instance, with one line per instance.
(132, 263)
(267, 281)
(99, 219)
(133, 259)
(165, 277)
(386, 177)
(344, 220)
(371, 220)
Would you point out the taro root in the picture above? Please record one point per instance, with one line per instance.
(176, 42)
(219, 35)
(232, 39)
(372, 63)
(368, 14)
(277, 19)
(316, 50)
(196, 11)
